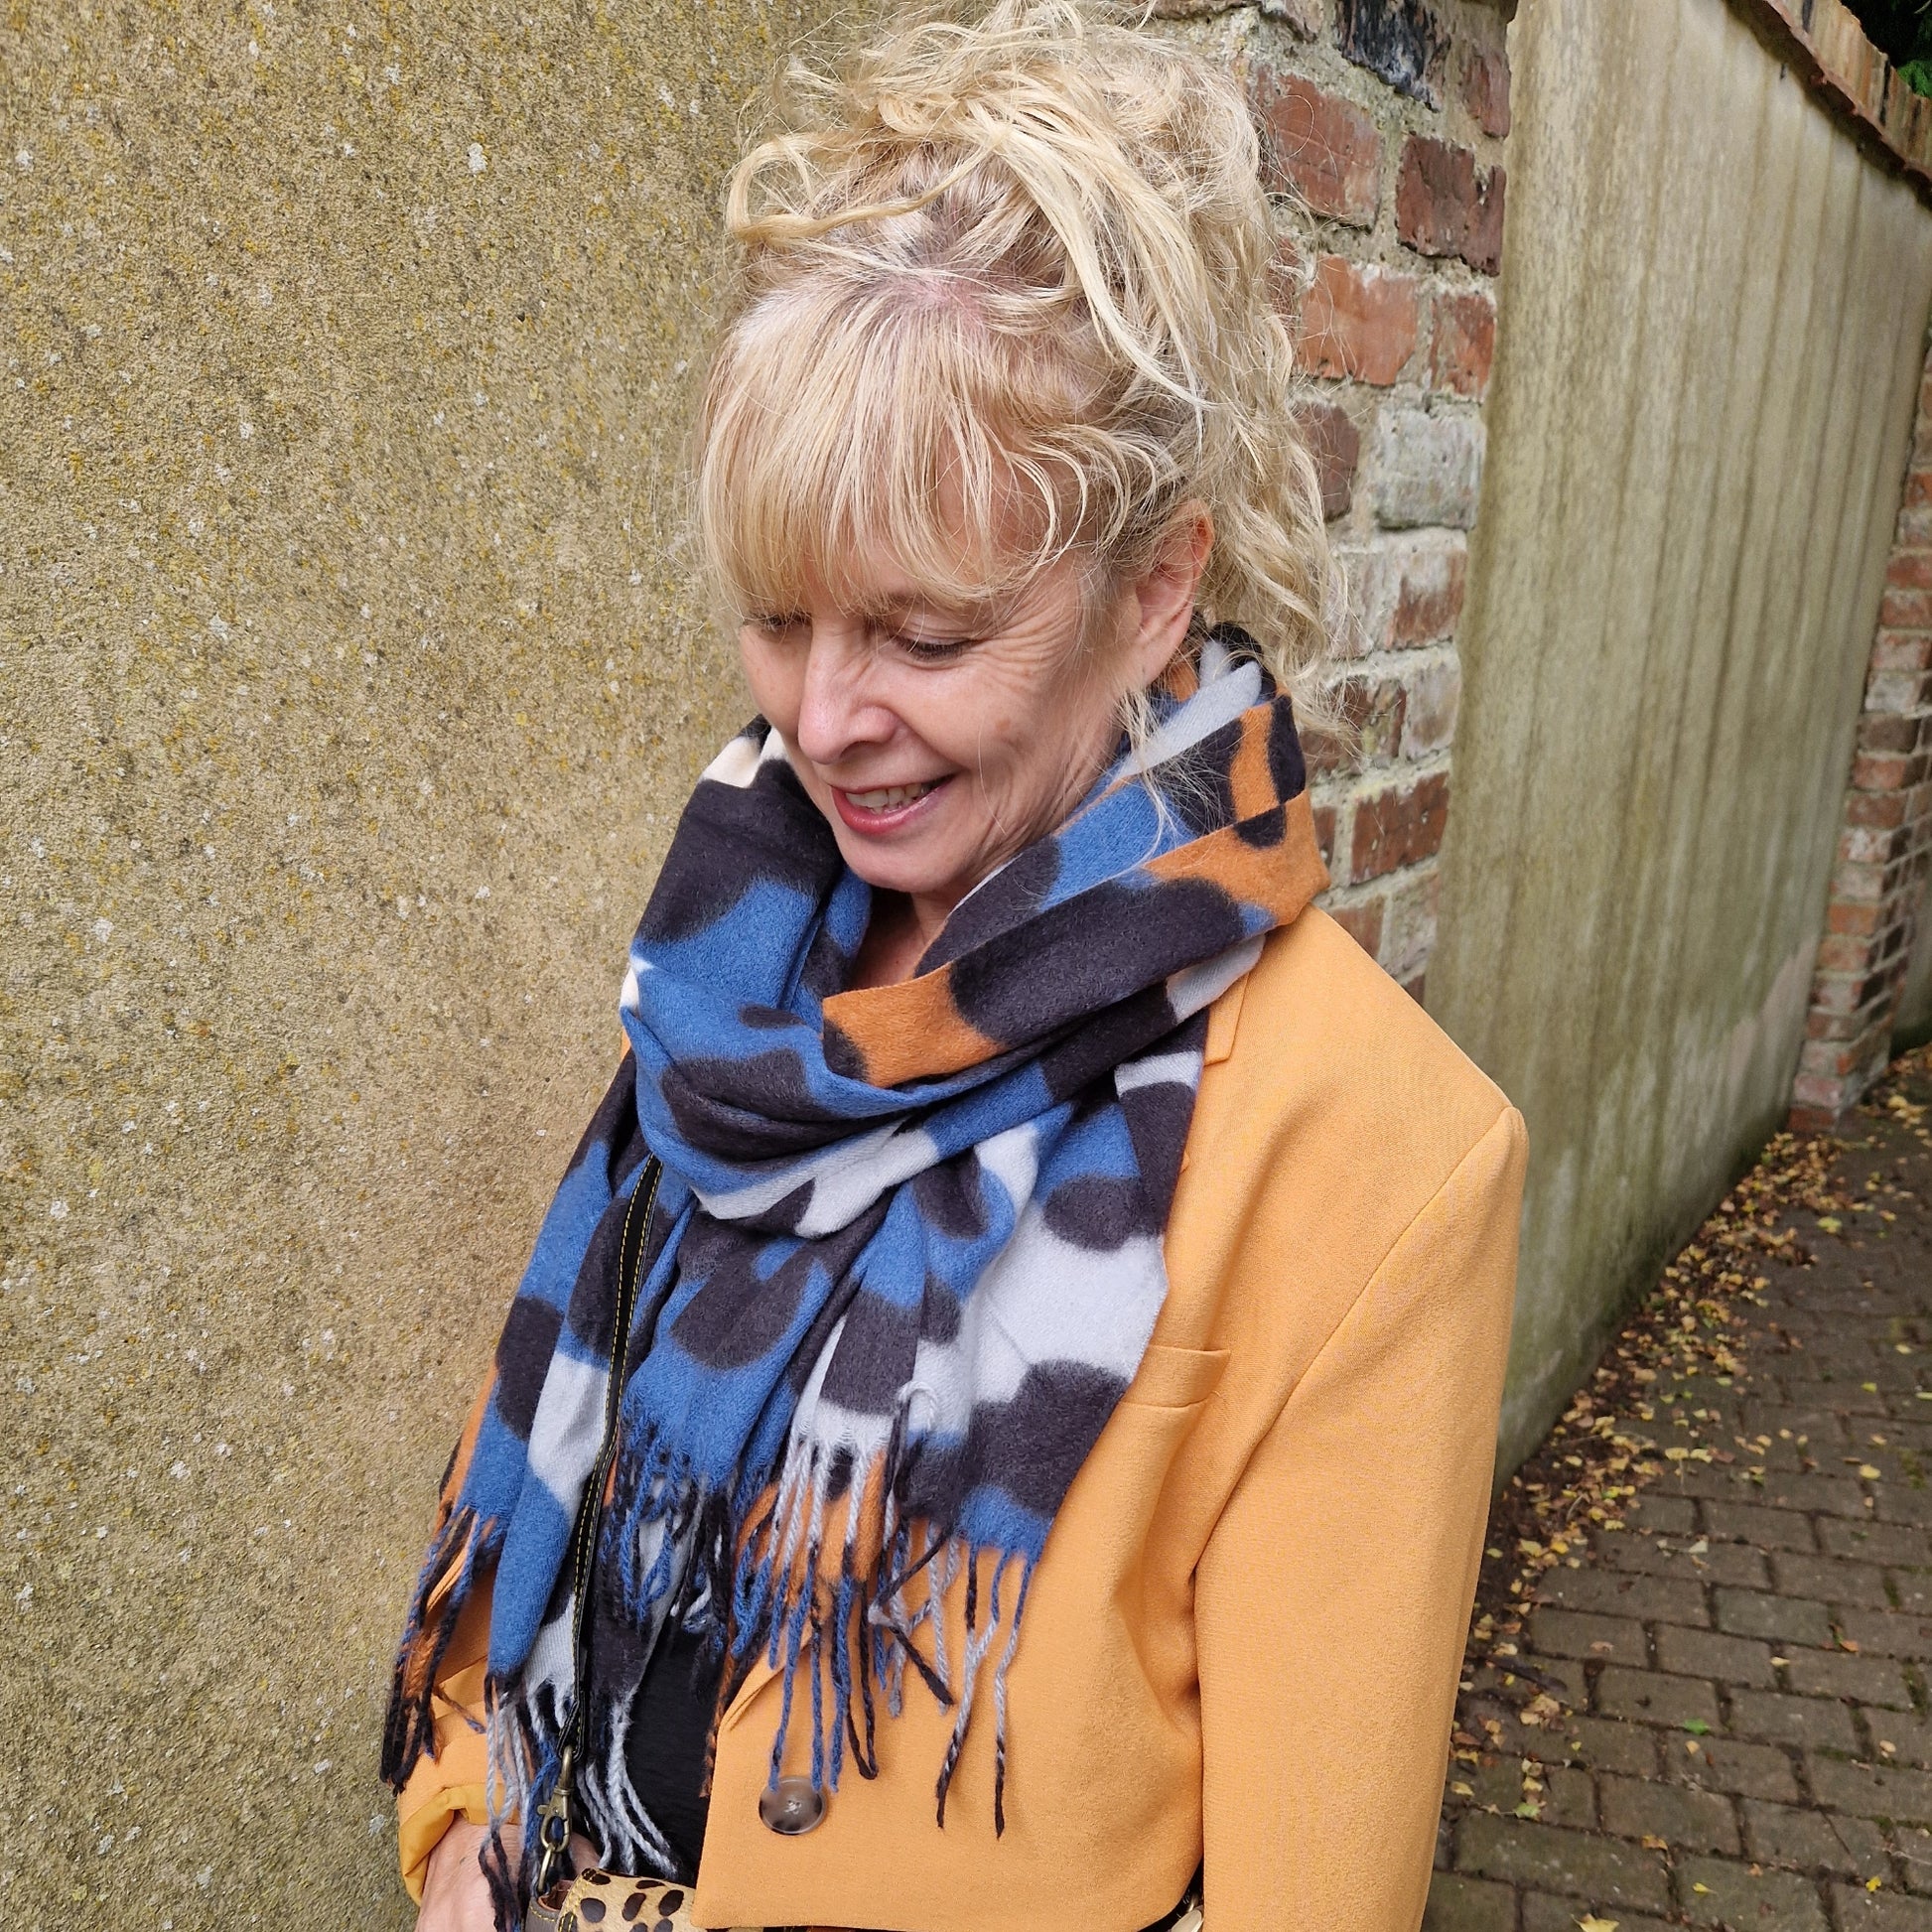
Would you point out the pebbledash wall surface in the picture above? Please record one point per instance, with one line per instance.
(353, 671)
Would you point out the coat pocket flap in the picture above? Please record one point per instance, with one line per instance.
(1176, 1378)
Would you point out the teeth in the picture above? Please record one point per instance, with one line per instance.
(891, 799)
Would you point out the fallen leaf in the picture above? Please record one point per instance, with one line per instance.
(1653, 1844)
(1462, 1791)
(1869, 1474)
(1590, 1923)
(1831, 1224)
(1697, 1727)
(1873, 1884)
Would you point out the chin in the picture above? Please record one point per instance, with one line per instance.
(895, 872)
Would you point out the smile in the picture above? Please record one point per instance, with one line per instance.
(890, 798)
(885, 807)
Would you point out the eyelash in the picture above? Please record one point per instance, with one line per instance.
(933, 650)
(921, 650)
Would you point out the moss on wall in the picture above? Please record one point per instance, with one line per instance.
(348, 677)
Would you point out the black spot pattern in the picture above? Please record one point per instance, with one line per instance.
(1030, 1446)
(731, 840)
(1068, 978)
(1099, 1211)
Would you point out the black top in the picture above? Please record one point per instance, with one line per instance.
(664, 1747)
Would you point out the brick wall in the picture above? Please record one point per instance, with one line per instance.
(1878, 882)
(1386, 119)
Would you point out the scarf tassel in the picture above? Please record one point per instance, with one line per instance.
(462, 1543)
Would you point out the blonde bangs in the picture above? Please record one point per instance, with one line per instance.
(846, 429)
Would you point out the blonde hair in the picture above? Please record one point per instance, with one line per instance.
(1015, 276)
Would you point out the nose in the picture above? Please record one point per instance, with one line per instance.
(837, 711)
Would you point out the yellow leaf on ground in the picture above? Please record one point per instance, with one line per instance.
(1590, 1923)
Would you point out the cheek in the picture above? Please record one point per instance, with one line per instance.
(776, 680)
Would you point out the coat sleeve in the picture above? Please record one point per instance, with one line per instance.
(448, 1782)
(1332, 1601)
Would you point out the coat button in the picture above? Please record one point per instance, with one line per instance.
(792, 1807)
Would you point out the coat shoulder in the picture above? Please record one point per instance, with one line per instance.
(1332, 1114)
(1323, 1043)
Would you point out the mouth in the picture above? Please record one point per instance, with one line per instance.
(886, 808)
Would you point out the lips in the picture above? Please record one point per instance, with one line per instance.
(886, 808)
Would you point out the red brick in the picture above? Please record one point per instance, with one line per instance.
(1879, 771)
(1359, 322)
(1838, 953)
(1464, 344)
(1336, 445)
(1429, 602)
(1445, 206)
(1323, 147)
(1887, 809)
(1878, 733)
(1362, 923)
(1324, 834)
(1372, 711)
(1398, 827)
(1906, 610)
(1852, 915)
(1918, 487)
(1910, 570)
(1901, 650)
(1486, 87)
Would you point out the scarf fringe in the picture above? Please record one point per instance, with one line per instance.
(846, 1626)
(462, 1542)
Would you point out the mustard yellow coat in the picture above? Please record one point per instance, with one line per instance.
(1243, 1640)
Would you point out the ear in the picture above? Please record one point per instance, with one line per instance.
(1161, 599)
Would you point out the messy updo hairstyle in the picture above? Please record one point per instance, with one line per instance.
(1014, 276)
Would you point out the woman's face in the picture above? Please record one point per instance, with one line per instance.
(939, 742)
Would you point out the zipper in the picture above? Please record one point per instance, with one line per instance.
(553, 1815)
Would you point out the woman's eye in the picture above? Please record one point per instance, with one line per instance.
(778, 625)
(933, 650)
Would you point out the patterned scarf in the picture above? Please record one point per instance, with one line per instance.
(904, 1256)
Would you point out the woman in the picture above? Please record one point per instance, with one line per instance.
(998, 1417)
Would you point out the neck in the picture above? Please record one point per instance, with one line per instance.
(903, 926)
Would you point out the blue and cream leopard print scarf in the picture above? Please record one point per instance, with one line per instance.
(903, 1255)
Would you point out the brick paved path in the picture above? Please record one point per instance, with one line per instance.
(1747, 1737)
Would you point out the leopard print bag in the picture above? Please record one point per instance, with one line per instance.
(609, 1902)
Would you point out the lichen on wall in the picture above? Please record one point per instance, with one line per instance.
(350, 671)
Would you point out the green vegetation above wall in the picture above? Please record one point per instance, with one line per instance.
(1901, 30)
